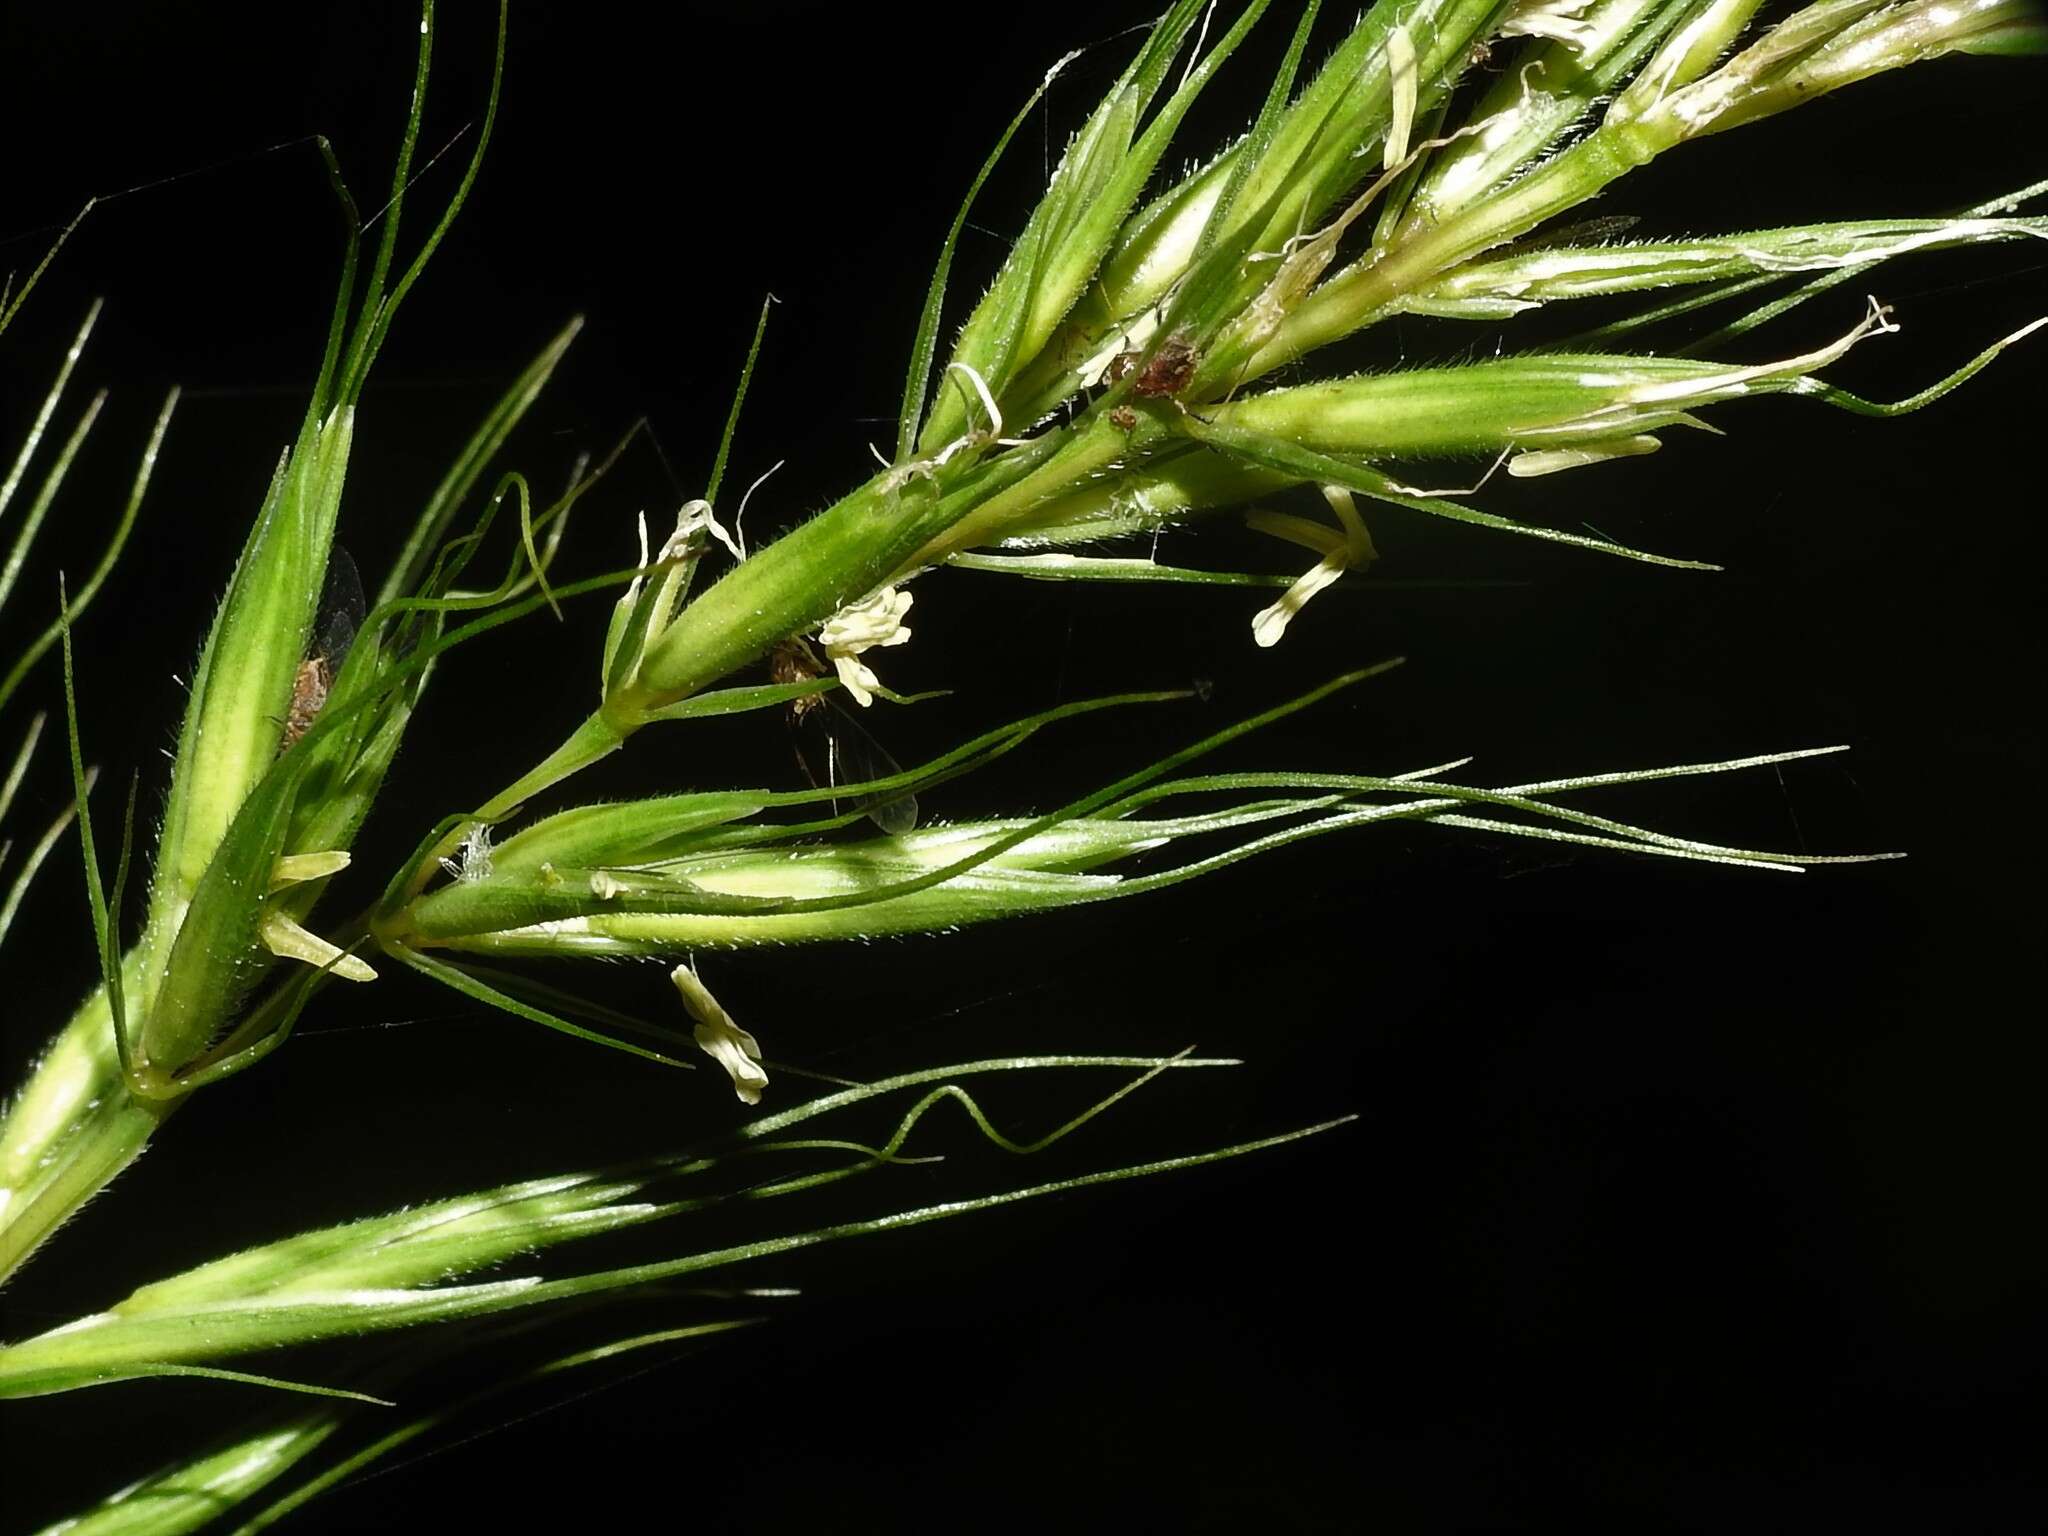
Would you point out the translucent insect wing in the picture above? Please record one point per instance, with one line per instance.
(836, 749)
(341, 610)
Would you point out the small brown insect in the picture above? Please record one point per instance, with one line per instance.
(793, 661)
(334, 631)
(309, 697)
(1171, 370)
(1123, 418)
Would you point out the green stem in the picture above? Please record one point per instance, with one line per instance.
(602, 734)
(599, 736)
(73, 1127)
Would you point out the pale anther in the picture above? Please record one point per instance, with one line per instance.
(874, 621)
(720, 1038)
(1343, 548)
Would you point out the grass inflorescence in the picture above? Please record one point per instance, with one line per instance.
(1151, 350)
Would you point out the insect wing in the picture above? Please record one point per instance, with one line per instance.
(836, 749)
(341, 611)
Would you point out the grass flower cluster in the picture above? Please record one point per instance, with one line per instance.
(1153, 349)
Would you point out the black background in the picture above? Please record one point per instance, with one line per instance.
(1693, 1197)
